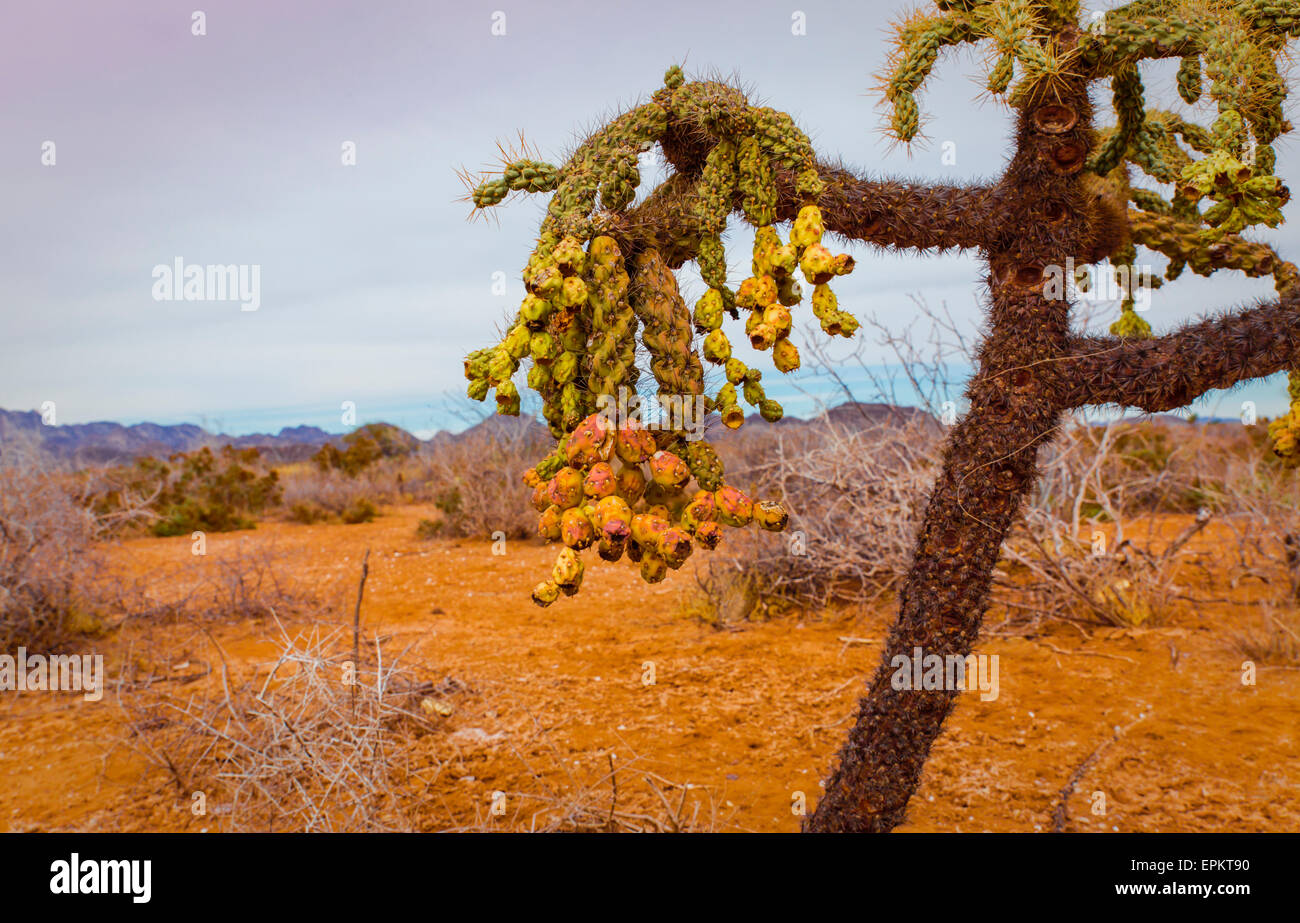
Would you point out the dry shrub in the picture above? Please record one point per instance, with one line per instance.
(53, 579)
(314, 495)
(295, 748)
(474, 480)
(1273, 639)
(248, 582)
(1059, 563)
(853, 495)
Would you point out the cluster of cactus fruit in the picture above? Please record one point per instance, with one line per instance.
(1221, 175)
(589, 304)
(587, 502)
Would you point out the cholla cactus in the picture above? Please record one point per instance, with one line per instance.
(601, 279)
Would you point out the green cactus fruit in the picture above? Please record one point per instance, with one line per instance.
(669, 470)
(735, 372)
(732, 416)
(573, 293)
(847, 323)
(478, 389)
(476, 364)
(501, 367)
(771, 515)
(708, 535)
(543, 348)
(546, 592)
(548, 524)
(539, 377)
(734, 508)
(534, 311)
(599, 482)
(568, 256)
(706, 467)
(564, 368)
(604, 257)
(674, 547)
(824, 302)
(785, 356)
(517, 341)
(766, 242)
(717, 348)
(567, 572)
(785, 259)
(576, 530)
(508, 399)
(565, 489)
(770, 410)
(545, 282)
(708, 311)
(573, 339)
(631, 483)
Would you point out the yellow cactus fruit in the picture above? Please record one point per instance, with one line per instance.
(567, 572)
(565, 489)
(708, 534)
(785, 356)
(674, 547)
(808, 227)
(548, 524)
(734, 507)
(717, 348)
(630, 483)
(778, 318)
(770, 515)
(546, 592)
(669, 470)
(653, 568)
(576, 530)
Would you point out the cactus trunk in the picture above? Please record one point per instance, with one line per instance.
(1016, 403)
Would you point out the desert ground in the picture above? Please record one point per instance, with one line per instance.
(618, 710)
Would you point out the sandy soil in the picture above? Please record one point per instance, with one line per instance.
(734, 725)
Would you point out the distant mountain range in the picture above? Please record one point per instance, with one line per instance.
(106, 443)
(112, 443)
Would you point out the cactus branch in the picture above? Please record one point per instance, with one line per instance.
(1170, 371)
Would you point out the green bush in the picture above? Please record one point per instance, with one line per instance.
(361, 510)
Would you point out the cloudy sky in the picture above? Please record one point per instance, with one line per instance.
(226, 148)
